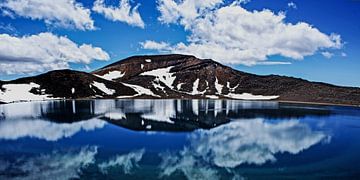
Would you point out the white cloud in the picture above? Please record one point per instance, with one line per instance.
(239, 142)
(292, 5)
(273, 63)
(184, 11)
(327, 54)
(123, 13)
(155, 45)
(55, 165)
(343, 54)
(234, 35)
(44, 51)
(126, 161)
(59, 13)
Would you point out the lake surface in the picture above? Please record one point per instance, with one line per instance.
(178, 139)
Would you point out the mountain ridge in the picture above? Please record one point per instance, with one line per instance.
(176, 76)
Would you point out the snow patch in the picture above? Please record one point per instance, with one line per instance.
(195, 90)
(21, 92)
(158, 86)
(147, 60)
(212, 96)
(218, 86)
(163, 75)
(103, 88)
(178, 86)
(248, 96)
(125, 97)
(142, 66)
(111, 75)
(141, 90)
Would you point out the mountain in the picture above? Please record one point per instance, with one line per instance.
(173, 76)
(61, 84)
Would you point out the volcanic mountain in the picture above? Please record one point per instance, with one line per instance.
(172, 76)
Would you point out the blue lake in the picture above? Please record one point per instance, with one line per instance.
(178, 139)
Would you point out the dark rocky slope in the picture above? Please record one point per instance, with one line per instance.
(181, 76)
(188, 69)
(72, 84)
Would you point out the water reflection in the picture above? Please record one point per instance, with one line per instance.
(188, 115)
(239, 142)
(127, 162)
(220, 136)
(58, 119)
(67, 164)
(55, 165)
(46, 130)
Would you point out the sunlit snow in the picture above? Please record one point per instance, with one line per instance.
(163, 75)
(21, 92)
(248, 96)
(103, 88)
(218, 86)
(111, 75)
(141, 90)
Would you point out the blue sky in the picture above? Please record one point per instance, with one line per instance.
(124, 35)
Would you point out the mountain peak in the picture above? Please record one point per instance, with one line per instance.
(177, 76)
(154, 58)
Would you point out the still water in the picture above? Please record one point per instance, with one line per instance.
(178, 139)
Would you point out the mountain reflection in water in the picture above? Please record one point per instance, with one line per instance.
(148, 115)
(193, 139)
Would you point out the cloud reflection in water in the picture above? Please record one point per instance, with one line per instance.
(46, 130)
(126, 162)
(239, 142)
(218, 144)
(55, 165)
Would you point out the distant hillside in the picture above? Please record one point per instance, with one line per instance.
(173, 76)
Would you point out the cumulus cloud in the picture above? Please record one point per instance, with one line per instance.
(44, 51)
(327, 54)
(58, 165)
(239, 142)
(273, 63)
(59, 13)
(234, 35)
(155, 45)
(127, 162)
(124, 13)
(185, 10)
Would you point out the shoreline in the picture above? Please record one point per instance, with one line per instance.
(318, 103)
(279, 101)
